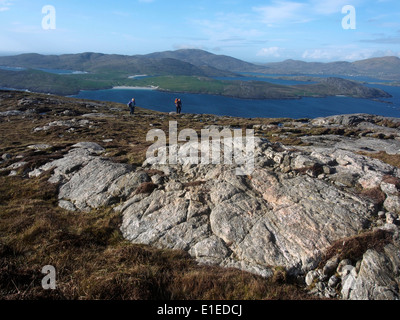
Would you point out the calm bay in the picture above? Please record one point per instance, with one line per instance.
(226, 106)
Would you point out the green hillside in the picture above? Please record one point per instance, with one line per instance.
(191, 71)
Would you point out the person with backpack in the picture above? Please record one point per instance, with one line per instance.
(178, 104)
(132, 105)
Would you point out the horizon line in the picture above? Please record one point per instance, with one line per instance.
(18, 53)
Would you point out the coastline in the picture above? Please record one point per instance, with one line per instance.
(135, 88)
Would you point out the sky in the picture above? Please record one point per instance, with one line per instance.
(251, 30)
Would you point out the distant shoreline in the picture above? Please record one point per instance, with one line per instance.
(135, 88)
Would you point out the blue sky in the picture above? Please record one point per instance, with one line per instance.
(252, 30)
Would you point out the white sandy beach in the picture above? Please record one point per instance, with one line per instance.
(135, 88)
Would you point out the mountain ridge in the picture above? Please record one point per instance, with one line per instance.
(202, 63)
(381, 67)
(99, 62)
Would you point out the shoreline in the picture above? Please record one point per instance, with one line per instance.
(135, 88)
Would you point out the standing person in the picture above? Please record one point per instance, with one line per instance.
(178, 106)
(132, 105)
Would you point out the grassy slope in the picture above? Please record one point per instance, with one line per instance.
(39, 81)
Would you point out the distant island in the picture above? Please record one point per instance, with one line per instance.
(191, 71)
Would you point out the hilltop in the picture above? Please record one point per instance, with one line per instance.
(381, 68)
(200, 63)
(105, 63)
(318, 216)
(203, 58)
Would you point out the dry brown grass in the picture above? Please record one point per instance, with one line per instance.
(194, 183)
(392, 159)
(93, 261)
(392, 180)
(354, 247)
(376, 195)
(146, 187)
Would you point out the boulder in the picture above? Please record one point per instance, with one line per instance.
(90, 187)
(379, 276)
(6, 156)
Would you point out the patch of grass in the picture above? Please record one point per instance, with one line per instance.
(392, 180)
(353, 248)
(376, 195)
(194, 183)
(392, 159)
(153, 172)
(146, 187)
(389, 123)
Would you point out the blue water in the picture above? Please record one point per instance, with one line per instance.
(61, 71)
(11, 68)
(356, 78)
(219, 105)
(55, 71)
(265, 78)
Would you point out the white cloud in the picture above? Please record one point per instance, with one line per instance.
(5, 5)
(229, 30)
(269, 52)
(281, 12)
(318, 54)
(327, 7)
(345, 53)
(188, 46)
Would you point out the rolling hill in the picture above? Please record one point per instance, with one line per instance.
(98, 62)
(383, 68)
(201, 58)
(188, 70)
(195, 62)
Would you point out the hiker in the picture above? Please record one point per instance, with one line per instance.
(132, 105)
(178, 104)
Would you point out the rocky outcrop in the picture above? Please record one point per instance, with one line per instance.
(71, 125)
(288, 212)
(375, 276)
(89, 181)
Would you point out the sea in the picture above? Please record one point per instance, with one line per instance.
(255, 108)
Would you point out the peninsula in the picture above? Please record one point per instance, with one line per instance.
(191, 71)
